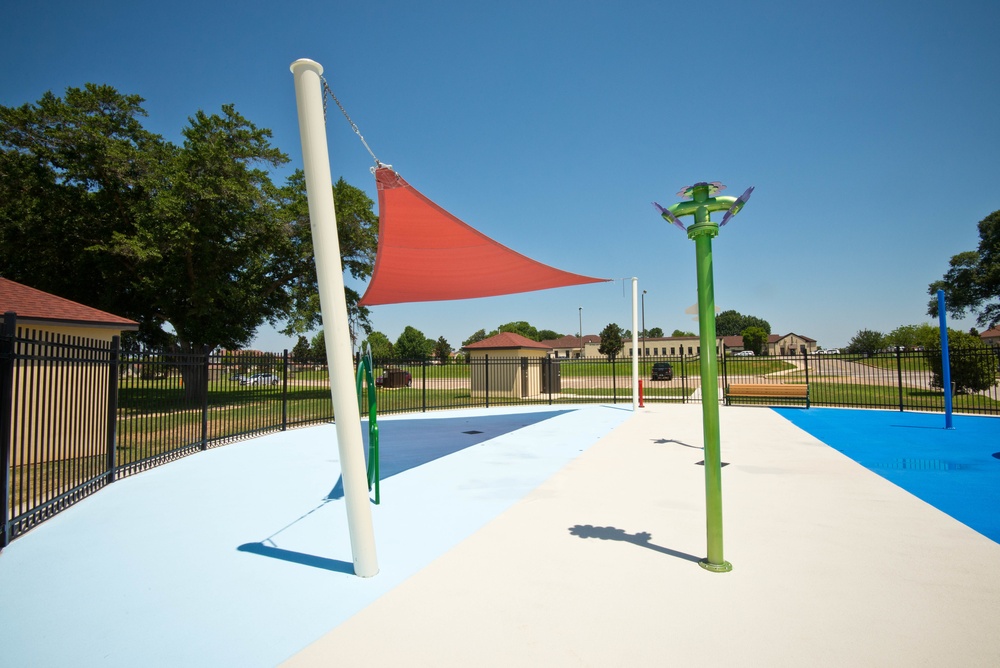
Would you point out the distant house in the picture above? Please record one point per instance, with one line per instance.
(513, 375)
(991, 337)
(574, 346)
(43, 313)
(667, 346)
(790, 344)
(675, 346)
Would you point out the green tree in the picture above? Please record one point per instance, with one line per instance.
(913, 336)
(655, 332)
(193, 236)
(548, 335)
(357, 227)
(755, 339)
(680, 332)
(972, 282)
(442, 350)
(318, 348)
(866, 342)
(476, 337)
(611, 341)
(521, 327)
(412, 345)
(731, 323)
(300, 353)
(380, 346)
(973, 364)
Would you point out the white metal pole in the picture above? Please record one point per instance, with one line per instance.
(635, 343)
(333, 305)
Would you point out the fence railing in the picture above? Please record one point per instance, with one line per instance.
(77, 414)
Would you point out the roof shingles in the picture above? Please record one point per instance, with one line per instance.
(36, 305)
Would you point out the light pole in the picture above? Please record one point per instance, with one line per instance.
(581, 333)
(700, 204)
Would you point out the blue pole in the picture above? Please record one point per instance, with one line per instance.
(945, 362)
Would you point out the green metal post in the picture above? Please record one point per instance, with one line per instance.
(702, 235)
(702, 231)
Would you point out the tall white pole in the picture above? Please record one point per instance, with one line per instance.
(635, 343)
(333, 305)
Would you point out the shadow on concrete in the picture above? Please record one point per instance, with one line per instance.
(661, 441)
(325, 563)
(642, 539)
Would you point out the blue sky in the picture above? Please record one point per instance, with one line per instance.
(868, 128)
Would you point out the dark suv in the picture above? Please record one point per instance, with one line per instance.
(662, 371)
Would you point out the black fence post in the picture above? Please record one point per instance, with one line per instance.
(204, 399)
(684, 394)
(284, 390)
(112, 431)
(614, 381)
(899, 377)
(423, 386)
(6, 418)
(724, 382)
(805, 360)
(487, 363)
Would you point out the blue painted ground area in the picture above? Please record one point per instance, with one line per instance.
(956, 470)
(407, 443)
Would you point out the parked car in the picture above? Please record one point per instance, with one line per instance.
(829, 351)
(662, 371)
(744, 353)
(394, 378)
(261, 379)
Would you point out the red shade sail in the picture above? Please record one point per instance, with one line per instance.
(426, 254)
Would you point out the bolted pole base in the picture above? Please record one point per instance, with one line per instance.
(724, 567)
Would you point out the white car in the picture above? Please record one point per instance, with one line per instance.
(744, 353)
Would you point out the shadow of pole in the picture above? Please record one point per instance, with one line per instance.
(301, 558)
(642, 539)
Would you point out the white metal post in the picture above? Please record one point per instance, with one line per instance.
(635, 343)
(333, 304)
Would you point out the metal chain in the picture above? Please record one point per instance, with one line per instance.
(328, 91)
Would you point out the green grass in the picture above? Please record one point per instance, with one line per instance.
(884, 396)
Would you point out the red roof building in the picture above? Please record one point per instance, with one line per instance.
(37, 308)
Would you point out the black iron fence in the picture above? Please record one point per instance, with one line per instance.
(77, 414)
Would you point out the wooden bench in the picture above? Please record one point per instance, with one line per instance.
(768, 391)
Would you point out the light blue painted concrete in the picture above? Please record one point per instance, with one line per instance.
(237, 557)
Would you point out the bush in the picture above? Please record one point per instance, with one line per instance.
(973, 363)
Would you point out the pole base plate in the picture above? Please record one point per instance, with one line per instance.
(724, 567)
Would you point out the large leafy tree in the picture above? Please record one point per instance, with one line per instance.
(442, 350)
(194, 236)
(866, 342)
(412, 344)
(612, 341)
(521, 327)
(380, 346)
(755, 339)
(732, 323)
(972, 283)
(973, 365)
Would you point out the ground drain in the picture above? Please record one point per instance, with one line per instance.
(919, 465)
(472, 432)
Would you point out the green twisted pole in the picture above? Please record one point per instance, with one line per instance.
(700, 206)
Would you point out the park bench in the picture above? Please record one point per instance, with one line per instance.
(768, 391)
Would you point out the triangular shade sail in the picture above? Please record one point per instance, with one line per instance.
(426, 254)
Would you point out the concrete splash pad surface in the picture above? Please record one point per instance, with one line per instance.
(571, 541)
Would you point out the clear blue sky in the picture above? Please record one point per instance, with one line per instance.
(868, 128)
